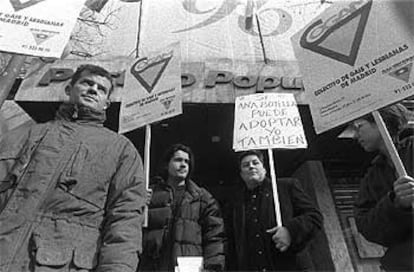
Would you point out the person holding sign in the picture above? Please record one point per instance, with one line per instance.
(72, 192)
(383, 210)
(183, 218)
(256, 243)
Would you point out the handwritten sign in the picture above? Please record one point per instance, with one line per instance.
(37, 27)
(152, 89)
(269, 120)
(355, 57)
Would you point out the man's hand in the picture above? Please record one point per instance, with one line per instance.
(404, 192)
(149, 196)
(281, 237)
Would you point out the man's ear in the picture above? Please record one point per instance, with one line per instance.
(108, 103)
(68, 88)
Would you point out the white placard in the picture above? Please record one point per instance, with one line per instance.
(355, 57)
(152, 89)
(190, 264)
(269, 120)
(37, 27)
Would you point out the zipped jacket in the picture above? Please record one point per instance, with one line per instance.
(71, 196)
(194, 228)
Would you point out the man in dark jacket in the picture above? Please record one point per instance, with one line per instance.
(184, 219)
(71, 191)
(383, 210)
(255, 242)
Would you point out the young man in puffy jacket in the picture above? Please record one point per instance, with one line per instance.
(184, 219)
(71, 191)
(383, 210)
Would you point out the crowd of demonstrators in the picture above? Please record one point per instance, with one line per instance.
(183, 219)
(256, 241)
(72, 192)
(383, 209)
(72, 196)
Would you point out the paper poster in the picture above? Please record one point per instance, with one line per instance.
(152, 89)
(37, 27)
(265, 121)
(355, 57)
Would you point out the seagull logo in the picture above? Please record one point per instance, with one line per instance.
(339, 36)
(149, 71)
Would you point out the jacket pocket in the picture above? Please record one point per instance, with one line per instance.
(53, 255)
(85, 259)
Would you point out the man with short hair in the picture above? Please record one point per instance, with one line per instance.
(383, 210)
(183, 219)
(71, 191)
(256, 243)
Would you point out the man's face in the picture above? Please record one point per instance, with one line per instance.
(367, 135)
(179, 166)
(252, 171)
(90, 90)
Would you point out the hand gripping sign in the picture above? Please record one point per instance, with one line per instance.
(266, 121)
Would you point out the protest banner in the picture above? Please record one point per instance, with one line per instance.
(152, 89)
(37, 27)
(211, 29)
(355, 57)
(267, 121)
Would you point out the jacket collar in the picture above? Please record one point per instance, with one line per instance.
(80, 114)
(191, 187)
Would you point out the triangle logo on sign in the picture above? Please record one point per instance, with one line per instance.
(20, 4)
(342, 40)
(402, 73)
(150, 74)
(40, 37)
(167, 102)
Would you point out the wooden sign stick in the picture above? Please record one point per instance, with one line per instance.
(274, 188)
(395, 158)
(147, 157)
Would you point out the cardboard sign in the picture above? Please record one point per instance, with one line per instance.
(264, 121)
(37, 27)
(356, 57)
(153, 89)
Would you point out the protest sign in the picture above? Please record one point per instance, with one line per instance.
(152, 89)
(269, 120)
(355, 57)
(37, 27)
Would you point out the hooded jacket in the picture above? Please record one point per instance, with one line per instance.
(71, 196)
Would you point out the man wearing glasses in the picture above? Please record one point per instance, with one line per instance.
(383, 210)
